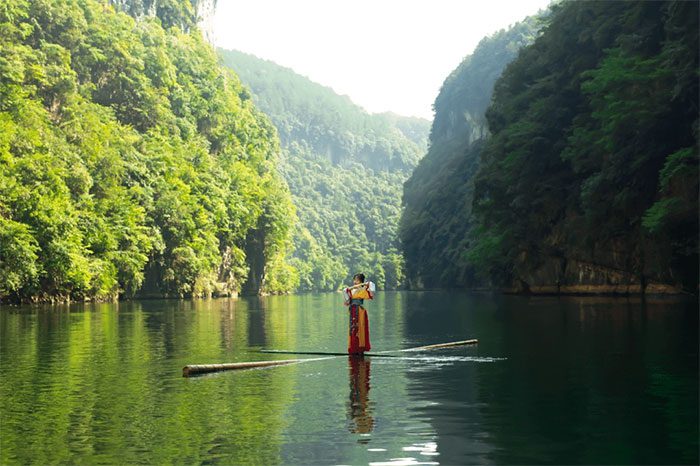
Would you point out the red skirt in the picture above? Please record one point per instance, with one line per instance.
(358, 337)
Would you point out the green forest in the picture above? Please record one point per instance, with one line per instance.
(131, 163)
(436, 221)
(587, 178)
(345, 169)
(138, 161)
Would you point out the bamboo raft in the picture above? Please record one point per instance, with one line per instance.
(197, 369)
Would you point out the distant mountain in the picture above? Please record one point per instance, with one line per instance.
(436, 222)
(345, 169)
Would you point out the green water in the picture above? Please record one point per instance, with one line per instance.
(552, 381)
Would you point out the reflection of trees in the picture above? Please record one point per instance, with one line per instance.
(98, 383)
(595, 379)
(360, 416)
(257, 335)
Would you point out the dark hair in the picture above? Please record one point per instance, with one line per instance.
(361, 276)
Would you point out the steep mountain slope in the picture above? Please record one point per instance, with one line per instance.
(131, 163)
(436, 222)
(586, 180)
(345, 169)
(590, 180)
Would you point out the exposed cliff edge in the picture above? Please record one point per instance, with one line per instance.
(436, 219)
(586, 180)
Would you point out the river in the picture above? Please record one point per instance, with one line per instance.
(575, 380)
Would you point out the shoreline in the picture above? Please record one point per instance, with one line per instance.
(652, 290)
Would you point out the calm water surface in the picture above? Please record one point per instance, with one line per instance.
(552, 381)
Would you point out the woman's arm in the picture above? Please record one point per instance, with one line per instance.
(359, 285)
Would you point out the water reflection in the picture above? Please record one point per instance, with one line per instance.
(557, 381)
(359, 410)
(257, 335)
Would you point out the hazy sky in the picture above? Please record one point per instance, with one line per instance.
(387, 55)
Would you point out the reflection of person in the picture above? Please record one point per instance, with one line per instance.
(358, 335)
(358, 412)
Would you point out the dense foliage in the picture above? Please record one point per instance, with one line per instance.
(130, 162)
(436, 221)
(589, 177)
(594, 153)
(345, 169)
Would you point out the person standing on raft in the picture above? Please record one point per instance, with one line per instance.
(358, 336)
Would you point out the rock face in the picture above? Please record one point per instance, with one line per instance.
(559, 276)
(205, 10)
(182, 13)
(601, 271)
(436, 223)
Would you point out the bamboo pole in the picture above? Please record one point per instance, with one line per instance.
(378, 355)
(439, 345)
(320, 353)
(194, 369)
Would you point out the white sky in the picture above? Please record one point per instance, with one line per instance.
(387, 55)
